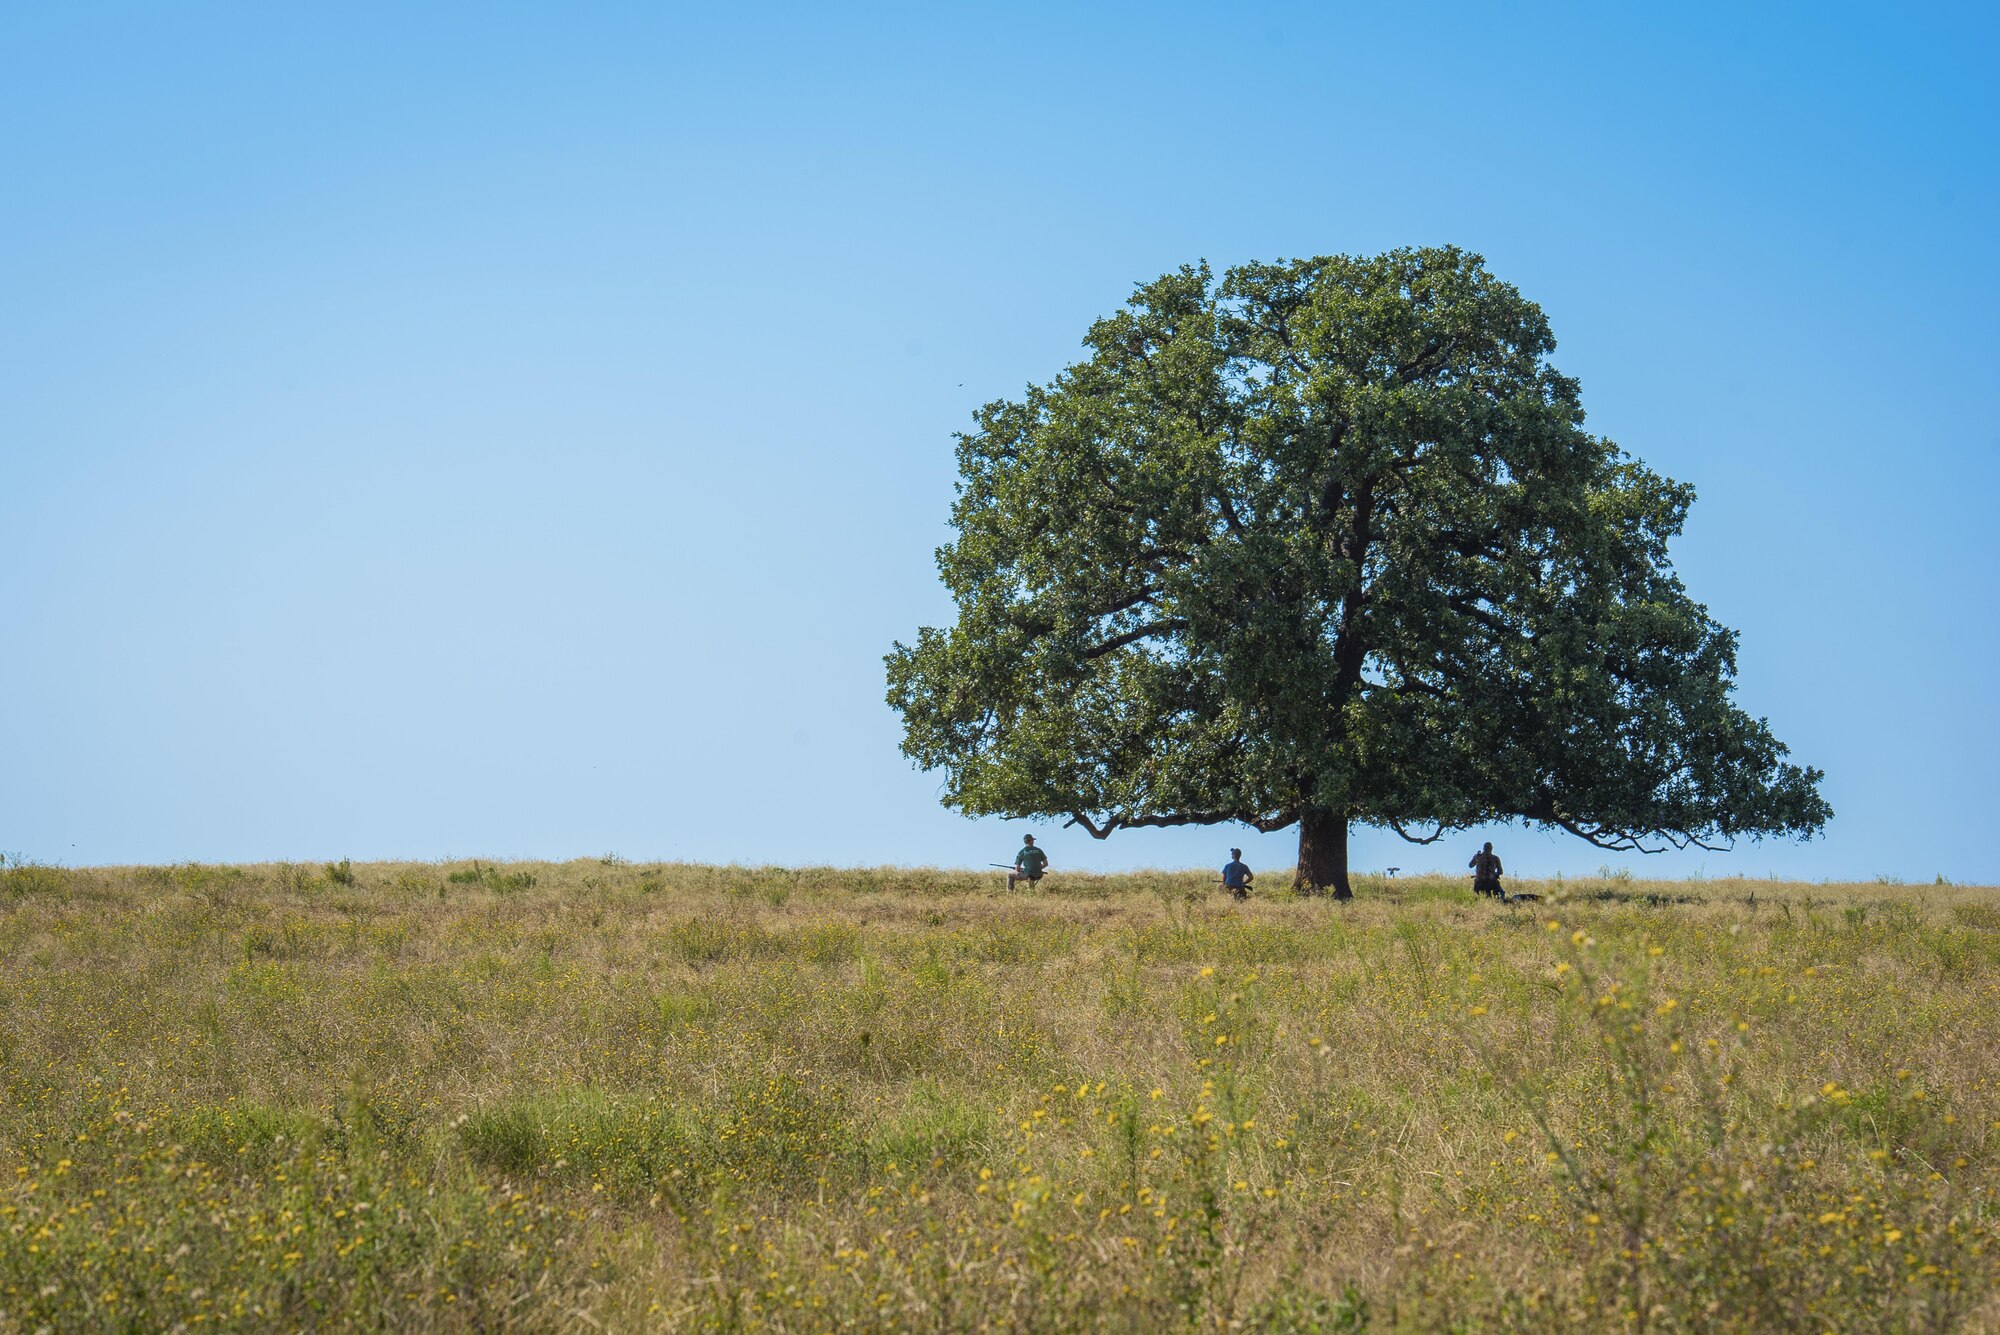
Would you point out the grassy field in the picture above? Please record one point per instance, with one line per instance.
(597, 1096)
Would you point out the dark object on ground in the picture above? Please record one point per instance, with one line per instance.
(1650, 899)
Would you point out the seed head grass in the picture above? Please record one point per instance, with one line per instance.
(601, 1095)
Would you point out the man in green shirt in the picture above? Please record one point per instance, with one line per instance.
(1029, 863)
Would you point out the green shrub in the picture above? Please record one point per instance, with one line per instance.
(21, 879)
(505, 883)
(777, 1130)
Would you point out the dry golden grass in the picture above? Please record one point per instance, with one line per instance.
(595, 1096)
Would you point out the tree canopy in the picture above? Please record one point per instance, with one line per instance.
(1325, 541)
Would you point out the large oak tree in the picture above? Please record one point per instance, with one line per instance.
(1326, 542)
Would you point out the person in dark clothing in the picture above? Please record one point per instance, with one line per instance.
(1485, 866)
(1029, 863)
(1236, 877)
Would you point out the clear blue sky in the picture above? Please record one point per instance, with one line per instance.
(512, 430)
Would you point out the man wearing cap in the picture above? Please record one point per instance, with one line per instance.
(1029, 863)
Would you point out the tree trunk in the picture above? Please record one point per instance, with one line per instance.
(1322, 855)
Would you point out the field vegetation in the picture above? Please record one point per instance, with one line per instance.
(598, 1096)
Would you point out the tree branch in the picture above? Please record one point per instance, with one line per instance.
(1078, 818)
(1262, 824)
(1629, 841)
(1437, 349)
(1428, 839)
(1621, 839)
(1350, 651)
(1335, 490)
(1228, 508)
(1117, 642)
(1467, 544)
(1467, 608)
(1408, 681)
(1128, 602)
(1148, 555)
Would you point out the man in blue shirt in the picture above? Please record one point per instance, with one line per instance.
(1236, 877)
